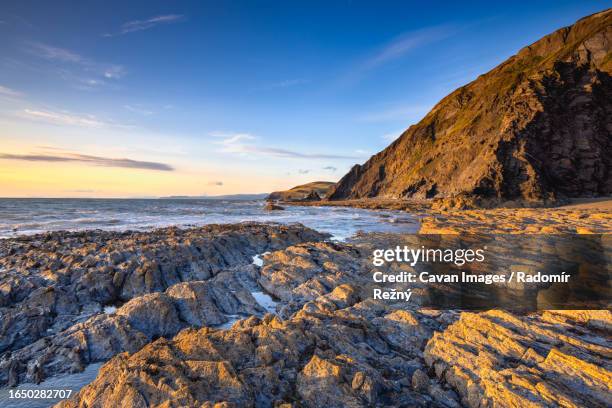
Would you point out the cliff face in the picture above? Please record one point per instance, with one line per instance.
(538, 126)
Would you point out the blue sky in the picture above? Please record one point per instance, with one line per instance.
(156, 97)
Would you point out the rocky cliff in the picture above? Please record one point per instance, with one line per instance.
(537, 127)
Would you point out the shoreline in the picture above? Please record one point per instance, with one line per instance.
(255, 296)
(579, 216)
(131, 287)
(600, 203)
(27, 219)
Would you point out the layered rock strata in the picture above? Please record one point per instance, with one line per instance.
(331, 345)
(55, 289)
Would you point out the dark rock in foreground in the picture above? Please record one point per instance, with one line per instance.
(55, 287)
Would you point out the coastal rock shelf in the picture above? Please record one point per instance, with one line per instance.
(55, 287)
(518, 221)
(554, 359)
(331, 345)
(169, 327)
(335, 352)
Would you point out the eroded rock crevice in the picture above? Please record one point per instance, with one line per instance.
(54, 289)
(331, 345)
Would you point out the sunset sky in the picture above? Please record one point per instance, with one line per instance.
(154, 98)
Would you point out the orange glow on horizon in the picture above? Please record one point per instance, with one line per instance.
(23, 179)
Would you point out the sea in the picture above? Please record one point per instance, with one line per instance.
(36, 215)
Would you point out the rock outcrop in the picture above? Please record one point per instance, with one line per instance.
(70, 299)
(270, 206)
(306, 192)
(518, 221)
(536, 128)
(555, 359)
(335, 352)
(334, 346)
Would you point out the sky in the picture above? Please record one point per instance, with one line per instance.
(157, 98)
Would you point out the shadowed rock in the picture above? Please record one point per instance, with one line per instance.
(55, 286)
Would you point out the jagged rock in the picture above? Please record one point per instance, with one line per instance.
(534, 129)
(327, 357)
(312, 196)
(497, 359)
(420, 381)
(303, 273)
(331, 345)
(54, 287)
(270, 206)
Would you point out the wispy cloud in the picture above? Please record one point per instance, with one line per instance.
(4, 91)
(304, 171)
(89, 83)
(398, 48)
(141, 25)
(66, 118)
(54, 53)
(88, 159)
(215, 183)
(330, 168)
(246, 144)
(84, 72)
(232, 142)
(15, 20)
(407, 42)
(114, 72)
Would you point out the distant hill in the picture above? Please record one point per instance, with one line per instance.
(245, 197)
(304, 191)
(536, 127)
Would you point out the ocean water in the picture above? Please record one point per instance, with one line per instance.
(31, 216)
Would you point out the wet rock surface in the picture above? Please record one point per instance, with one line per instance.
(332, 345)
(270, 206)
(55, 287)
